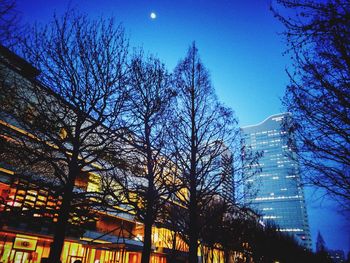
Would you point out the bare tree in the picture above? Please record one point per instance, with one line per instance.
(146, 186)
(203, 130)
(318, 95)
(70, 114)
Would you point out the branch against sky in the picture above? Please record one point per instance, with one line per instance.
(318, 94)
(203, 130)
(72, 111)
(146, 187)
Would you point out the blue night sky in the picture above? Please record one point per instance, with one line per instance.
(238, 42)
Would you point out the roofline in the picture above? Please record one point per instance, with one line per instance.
(274, 115)
(18, 63)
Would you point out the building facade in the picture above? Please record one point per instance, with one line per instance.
(337, 256)
(226, 188)
(275, 191)
(29, 202)
(30, 199)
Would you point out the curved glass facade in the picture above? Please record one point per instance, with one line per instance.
(278, 193)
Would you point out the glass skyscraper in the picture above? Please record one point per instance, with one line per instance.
(277, 192)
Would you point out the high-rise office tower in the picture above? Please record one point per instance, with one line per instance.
(226, 189)
(277, 192)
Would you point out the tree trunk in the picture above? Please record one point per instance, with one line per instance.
(63, 214)
(147, 240)
(226, 256)
(61, 224)
(173, 254)
(149, 216)
(193, 230)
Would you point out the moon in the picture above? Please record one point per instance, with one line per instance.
(153, 15)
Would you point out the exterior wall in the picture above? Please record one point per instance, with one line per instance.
(277, 192)
(19, 248)
(227, 188)
(337, 256)
(28, 211)
(28, 208)
(225, 163)
(25, 239)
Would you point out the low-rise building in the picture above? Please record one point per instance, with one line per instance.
(337, 256)
(29, 203)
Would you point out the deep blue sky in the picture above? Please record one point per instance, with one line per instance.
(238, 42)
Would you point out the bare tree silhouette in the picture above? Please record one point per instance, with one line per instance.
(70, 112)
(145, 188)
(318, 95)
(202, 132)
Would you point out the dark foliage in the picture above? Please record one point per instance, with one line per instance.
(237, 232)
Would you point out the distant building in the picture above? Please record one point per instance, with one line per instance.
(224, 163)
(29, 200)
(227, 187)
(278, 194)
(320, 244)
(337, 256)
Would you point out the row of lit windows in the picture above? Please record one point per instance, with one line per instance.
(275, 175)
(291, 230)
(271, 217)
(269, 132)
(25, 196)
(271, 147)
(277, 198)
(267, 209)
